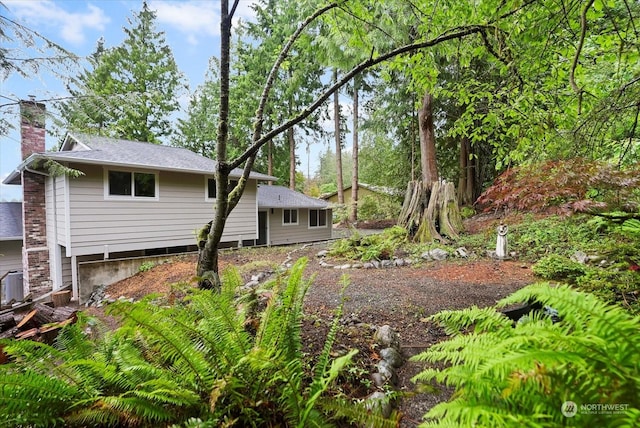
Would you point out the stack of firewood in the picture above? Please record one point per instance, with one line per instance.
(41, 323)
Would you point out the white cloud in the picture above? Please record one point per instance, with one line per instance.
(195, 18)
(47, 13)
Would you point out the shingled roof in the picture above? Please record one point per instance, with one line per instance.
(282, 197)
(92, 149)
(10, 221)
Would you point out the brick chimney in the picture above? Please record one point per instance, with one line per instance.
(35, 252)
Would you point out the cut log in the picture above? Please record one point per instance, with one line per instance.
(61, 298)
(27, 334)
(27, 321)
(63, 313)
(9, 333)
(44, 314)
(7, 321)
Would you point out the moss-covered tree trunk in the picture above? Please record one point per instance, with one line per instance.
(430, 213)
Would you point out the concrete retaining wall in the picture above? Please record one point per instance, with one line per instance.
(92, 275)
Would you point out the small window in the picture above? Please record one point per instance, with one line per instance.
(317, 218)
(144, 185)
(119, 183)
(211, 187)
(289, 217)
(136, 184)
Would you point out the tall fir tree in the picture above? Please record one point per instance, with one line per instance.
(131, 90)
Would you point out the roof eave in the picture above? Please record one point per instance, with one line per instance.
(55, 156)
(15, 176)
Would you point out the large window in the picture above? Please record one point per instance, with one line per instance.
(289, 217)
(317, 218)
(211, 187)
(133, 184)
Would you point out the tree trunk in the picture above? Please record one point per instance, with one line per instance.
(292, 159)
(210, 235)
(270, 159)
(430, 208)
(353, 217)
(427, 141)
(466, 178)
(431, 212)
(336, 124)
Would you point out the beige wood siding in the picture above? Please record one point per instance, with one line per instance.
(60, 214)
(280, 234)
(10, 257)
(170, 220)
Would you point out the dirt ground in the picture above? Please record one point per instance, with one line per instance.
(401, 297)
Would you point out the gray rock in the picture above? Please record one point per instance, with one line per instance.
(368, 265)
(251, 284)
(425, 256)
(345, 266)
(357, 265)
(386, 263)
(580, 257)
(379, 402)
(387, 337)
(391, 356)
(377, 379)
(462, 252)
(387, 372)
(322, 253)
(398, 262)
(259, 277)
(376, 264)
(438, 254)
(408, 262)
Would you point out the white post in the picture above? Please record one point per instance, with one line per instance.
(501, 243)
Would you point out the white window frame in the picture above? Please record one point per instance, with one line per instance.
(133, 172)
(297, 217)
(232, 184)
(326, 222)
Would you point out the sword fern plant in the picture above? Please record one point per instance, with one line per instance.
(195, 363)
(534, 372)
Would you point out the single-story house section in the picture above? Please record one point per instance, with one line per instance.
(131, 200)
(286, 216)
(10, 243)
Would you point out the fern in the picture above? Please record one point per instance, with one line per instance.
(194, 361)
(507, 376)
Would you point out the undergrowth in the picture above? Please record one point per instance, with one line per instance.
(381, 246)
(526, 374)
(207, 359)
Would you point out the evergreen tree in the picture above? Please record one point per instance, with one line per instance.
(131, 90)
(198, 131)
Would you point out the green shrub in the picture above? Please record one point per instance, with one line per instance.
(559, 268)
(378, 207)
(146, 266)
(508, 375)
(379, 246)
(533, 239)
(210, 360)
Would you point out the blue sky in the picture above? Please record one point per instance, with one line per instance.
(191, 28)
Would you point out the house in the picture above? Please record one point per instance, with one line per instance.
(286, 216)
(130, 201)
(10, 242)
